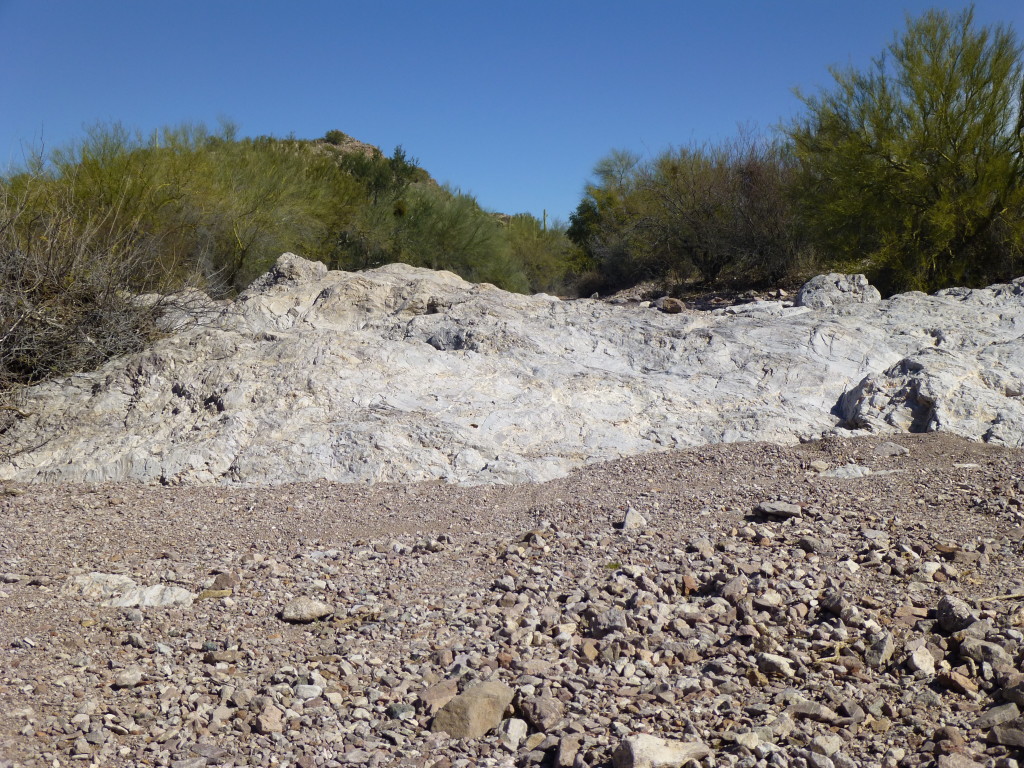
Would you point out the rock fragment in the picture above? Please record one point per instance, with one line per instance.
(953, 614)
(644, 751)
(633, 520)
(269, 720)
(782, 510)
(303, 610)
(156, 596)
(475, 711)
(128, 678)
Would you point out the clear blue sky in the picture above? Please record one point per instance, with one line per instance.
(511, 101)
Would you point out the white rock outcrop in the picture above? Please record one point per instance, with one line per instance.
(836, 290)
(404, 374)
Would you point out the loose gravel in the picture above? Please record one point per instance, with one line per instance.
(838, 603)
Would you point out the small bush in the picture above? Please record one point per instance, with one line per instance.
(68, 284)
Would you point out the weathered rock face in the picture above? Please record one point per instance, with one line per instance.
(403, 374)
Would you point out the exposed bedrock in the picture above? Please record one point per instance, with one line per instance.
(404, 374)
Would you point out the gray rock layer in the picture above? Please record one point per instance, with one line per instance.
(404, 374)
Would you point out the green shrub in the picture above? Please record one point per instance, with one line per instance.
(913, 167)
(704, 214)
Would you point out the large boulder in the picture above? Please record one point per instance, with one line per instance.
(403, 374)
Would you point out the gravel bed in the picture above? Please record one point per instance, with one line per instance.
(838, 603)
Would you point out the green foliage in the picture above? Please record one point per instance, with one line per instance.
(704, 213)
(336, 137)
(544, 254)
(384, 178)
(914, 166)
(256, 199)
(437, 228)
(445, 229)
(408, 218)
(221, 208)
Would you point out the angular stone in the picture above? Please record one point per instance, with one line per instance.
(848, 472)
(1006, 736)
(826, 744)
(1014, 692)
(836, 290)
(997, 716)
(772, 664)
(982, 651)
(633, 520)
(735, 588)
(881, 650)
(953, 614)
(511, 733)
(749, 739)
(612, 620)
(958, 682)
(269, 720)
(225, 580)
(473, 713)
(643, 751)
(957, 760)
(779, 509)
(568, 748)
(669, 305)
(100, 585)
(818, 760)
(921, 660)
(542, 712)
(812, 710)
(128, 678)
(306, 692)
(436, 696)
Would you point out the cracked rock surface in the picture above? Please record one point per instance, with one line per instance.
(758, 611)
(402, 375)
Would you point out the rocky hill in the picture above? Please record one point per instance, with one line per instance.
(401, 374)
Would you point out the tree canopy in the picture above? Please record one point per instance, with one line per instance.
(913, 166)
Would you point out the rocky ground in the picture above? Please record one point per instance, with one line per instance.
(837, 603)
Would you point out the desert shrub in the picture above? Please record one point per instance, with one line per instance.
(703, 214)
(912, 167)
(725, 211)
(544, 254)
(336, 137)
(222, 208)
(69, 284)
(446, 229)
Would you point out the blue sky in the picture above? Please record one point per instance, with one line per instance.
(513, 102)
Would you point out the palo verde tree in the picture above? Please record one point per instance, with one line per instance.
(915, 164)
